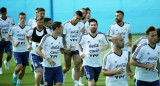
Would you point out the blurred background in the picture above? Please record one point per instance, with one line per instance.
(139, 13)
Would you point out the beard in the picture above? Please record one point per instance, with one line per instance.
(93, 30)
(118, 20)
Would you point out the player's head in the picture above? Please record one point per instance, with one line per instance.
(57, 26)
(40, 21)
(36, 12)
(119, 15)
(41, 12)
(22, 17)
(3, 11)
(151, 34)
(88, 15)
(84, 12)
(77, 17)
(93, 25)
(158, 35)
(47, 22)
(118, 41)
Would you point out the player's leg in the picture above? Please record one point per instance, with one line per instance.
(97, 71)
(67, 61)
(81, 75)
(8, 50)
(58, 79)
(155, 83)
(1, 55)
(38, 68)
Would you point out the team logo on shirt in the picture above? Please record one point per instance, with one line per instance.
(35, 64)
(78, 27)
(99, 40)
(51, 43)
(88, 76)
(126, 59)
(17, 31)
(88, 41)
(46, 83)
(158, 53)
(59, 42)
(148, 53)
(16, 61)
(8, 22)
(126, 29)
(115, 62)
(88, 26)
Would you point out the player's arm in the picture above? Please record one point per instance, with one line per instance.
(134, 47)
(129, 71)
(104, 47)
(83, 30)
(109, 38)
(135, 63)
(39, 52)
(106, 72)
(27, 41)
(82, 55)
(130, 39)
(9, 38)
(0, 33)
(64, 41)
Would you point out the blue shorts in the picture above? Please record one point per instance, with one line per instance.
(145, 83)
(21, 58)
(6, 45)
(36, 60)
(51, 74)
(92, 72)
(129, 53)
(75, 52)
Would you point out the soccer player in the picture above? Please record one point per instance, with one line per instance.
(48, 49)
(145, 59)
(5, 24)
(93, 45)
(115, 64)
(32, 22)
(48, 23)
(71, 34)
(84, 13)
(20, 51)
(88, 15)
(37, 33)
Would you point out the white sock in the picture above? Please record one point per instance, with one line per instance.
(18, 81)
(42, 85)
(76, 82)
(80, 79)
(14, 75)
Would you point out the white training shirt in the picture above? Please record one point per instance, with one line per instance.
(51, 48)
(112, 62)
(123, 31)
(18, 34)
(35, 44)
(72, 33)
(86, 26)
(91, 48)
(5, 25)
(32, 22)
(145, 55)
(141, 40)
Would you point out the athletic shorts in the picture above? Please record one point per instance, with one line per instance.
(52, 74)
(21, 58)
(92, 72)
(75, 52)
(36, 61)
(145, 83)
(5, 46)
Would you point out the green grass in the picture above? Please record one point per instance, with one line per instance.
(29, 80)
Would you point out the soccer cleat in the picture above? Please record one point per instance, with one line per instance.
(18, 84)
(1, 72)
(31, 68)
(80, 83)
(6, 65)
(73, 73)
(14, 79)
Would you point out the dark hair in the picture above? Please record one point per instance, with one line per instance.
(84, 9)
(56, 24)
(41, 9)
(3, 9)
(92, 20)
(37, 8)
(158, 32)
(87, 9)
(79, 13)
(46, 20)
(120, 11)
(22, 13)
(38, 18)
(150, 29)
